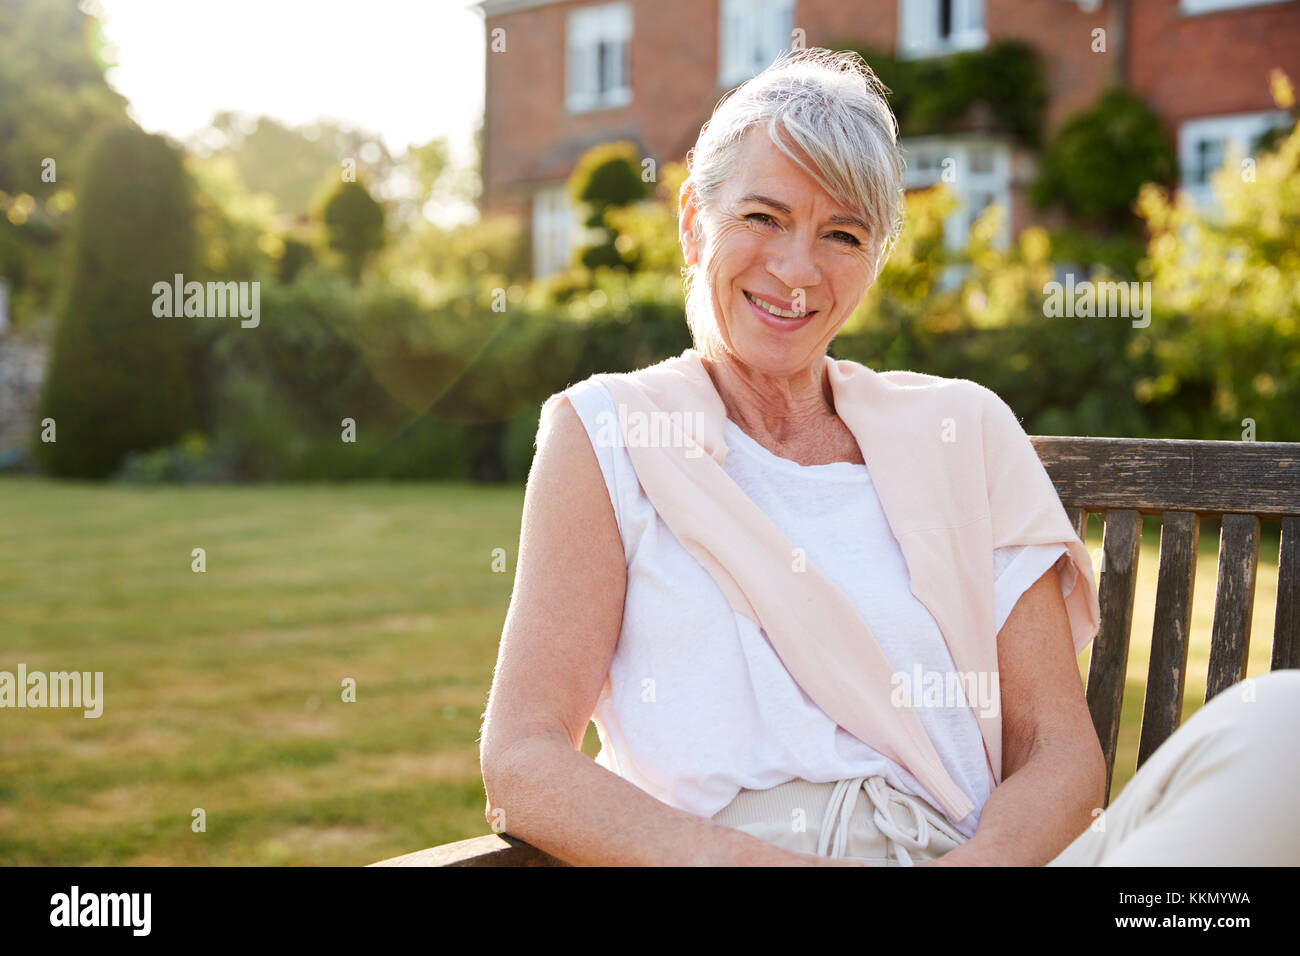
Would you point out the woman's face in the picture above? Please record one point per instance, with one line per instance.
(776, 237)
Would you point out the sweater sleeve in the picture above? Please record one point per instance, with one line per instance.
(1025, 510)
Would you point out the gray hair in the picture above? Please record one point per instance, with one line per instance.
(832, 106)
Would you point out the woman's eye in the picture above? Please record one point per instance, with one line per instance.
(764, 219)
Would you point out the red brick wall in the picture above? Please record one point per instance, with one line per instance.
(873, 23)
(673, 66)
(1212, 63)
(673, 69)
(1184, 66)
(1063, 36)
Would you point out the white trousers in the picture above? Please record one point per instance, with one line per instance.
(1223, 790)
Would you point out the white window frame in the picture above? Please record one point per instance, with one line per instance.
(587, 31)
(994, 184)
(1237, 131)
(918, 28)
(750, 35)
(556, 231)
(1192, 8)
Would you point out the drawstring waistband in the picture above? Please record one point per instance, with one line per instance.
(834, 833)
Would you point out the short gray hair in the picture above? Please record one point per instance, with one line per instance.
(832, 106)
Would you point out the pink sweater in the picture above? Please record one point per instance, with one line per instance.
(957, 477)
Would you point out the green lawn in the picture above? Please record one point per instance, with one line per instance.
(223, 689)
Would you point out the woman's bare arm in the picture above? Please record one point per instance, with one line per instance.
(1053, 770)
(560, 633)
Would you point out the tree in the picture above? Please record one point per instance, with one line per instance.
(1100, 158)
(1226, 290)
(120, 378)
(52, 90)
(607, 177)
(356, 225)
(292, 165)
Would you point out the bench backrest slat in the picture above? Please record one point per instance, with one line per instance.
(1155, 475)
(1181, 481)
(1121, 540)
(1286, 622)
(1234, 602)
(1180, 532)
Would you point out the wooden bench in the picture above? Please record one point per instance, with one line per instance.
(1123, 479)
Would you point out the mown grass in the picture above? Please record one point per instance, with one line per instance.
(223, 690)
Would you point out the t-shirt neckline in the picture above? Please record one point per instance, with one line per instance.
(841, 469)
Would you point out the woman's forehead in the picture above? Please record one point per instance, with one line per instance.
(768, 175)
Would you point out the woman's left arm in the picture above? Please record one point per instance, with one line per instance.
(1053, 769)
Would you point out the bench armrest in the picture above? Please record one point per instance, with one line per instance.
(491, 850)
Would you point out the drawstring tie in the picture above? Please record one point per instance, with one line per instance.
(834, 833)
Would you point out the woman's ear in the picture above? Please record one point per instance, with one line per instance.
(688, 224)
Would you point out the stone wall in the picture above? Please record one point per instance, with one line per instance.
(22, 370)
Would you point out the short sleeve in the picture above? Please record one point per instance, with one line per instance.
(1025, 510)
(595, 407)
(1016, 569)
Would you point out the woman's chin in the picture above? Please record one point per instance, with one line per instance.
(766, 353)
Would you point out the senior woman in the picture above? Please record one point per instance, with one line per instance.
(749, 564)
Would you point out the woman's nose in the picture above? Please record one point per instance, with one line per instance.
(794, 263)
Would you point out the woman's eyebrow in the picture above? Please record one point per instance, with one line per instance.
(782, 207)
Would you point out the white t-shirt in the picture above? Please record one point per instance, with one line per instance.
(698, 704)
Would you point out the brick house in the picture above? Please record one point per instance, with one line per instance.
(563, 75)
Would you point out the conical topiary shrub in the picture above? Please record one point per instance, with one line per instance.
(120, 378)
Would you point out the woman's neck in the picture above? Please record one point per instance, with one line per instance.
(773, 409)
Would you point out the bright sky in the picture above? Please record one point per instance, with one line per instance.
(408, 70)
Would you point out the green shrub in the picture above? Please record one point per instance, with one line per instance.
(355, 222)
(607, 177)
(935, 94)
(1100, 158)
(191, 460)
(120, 378)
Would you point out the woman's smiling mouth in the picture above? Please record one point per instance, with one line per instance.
(776, 317)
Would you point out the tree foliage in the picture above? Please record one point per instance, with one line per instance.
(52, 92)
(355, 222)
(1226, 285)
(607, 177)
(1099, 159)
(122, 379)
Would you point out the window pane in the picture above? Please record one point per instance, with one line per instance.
(1209, 157)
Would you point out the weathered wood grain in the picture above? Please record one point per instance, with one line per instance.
(490, 850)
(1234, 602)
(1167, 672)
(1121, 541)
(1153, 475)
(1286, 621)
